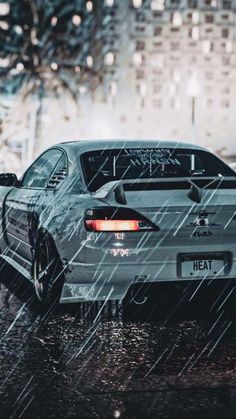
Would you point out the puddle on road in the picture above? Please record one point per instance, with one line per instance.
(70, 363)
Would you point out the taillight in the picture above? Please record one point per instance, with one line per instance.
(116, 219)
(113, 225)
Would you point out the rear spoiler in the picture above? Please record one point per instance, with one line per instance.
(195, 186)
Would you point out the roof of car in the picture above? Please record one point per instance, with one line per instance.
(90, 145)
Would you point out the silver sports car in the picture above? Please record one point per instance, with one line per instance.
(89, 219)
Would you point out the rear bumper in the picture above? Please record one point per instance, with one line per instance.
(111, 281)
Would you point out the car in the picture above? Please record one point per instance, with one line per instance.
(89, 220)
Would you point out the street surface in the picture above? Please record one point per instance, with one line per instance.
(79, 363)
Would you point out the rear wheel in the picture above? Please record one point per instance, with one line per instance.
(47, 273)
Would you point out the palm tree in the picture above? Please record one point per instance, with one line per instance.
(46, 47)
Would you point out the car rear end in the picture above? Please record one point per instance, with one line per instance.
(156, 216)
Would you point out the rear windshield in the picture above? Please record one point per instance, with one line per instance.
(104, 166)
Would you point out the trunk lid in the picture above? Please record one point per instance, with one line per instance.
(194, 209)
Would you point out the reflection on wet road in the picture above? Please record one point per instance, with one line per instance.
(82, 366)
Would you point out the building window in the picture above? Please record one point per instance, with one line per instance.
(140, 17)
(176, 76)
(157, 72)
(207, 46)
(157, 5)
(192, 44)
(140, 46)
(157, 61)
(225, 103)
(111, 13)
(89, 6)
(109, 3)
(137, 3)
(89, 61)
(175, 46)
(226, 61)
(158, 45)
(143, 89)
(176, 19)
(113, 88)
(156, 88)
(225, 16)
(210, 3)
(138, 59)
(140, 29)
(194, 33)
(195, 17)
(225, 33)
(111, 29)
(174, 29)
(192, 4)
(209, 18)
(189, 17)
(174, 3)
(157, 15)
(158, 31)
(109, 59)
(226, 90)
(140, 75)
(226, 4)
(228, 47)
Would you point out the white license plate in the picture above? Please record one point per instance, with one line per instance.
(203, 268)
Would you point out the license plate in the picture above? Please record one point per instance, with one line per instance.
(203, 268)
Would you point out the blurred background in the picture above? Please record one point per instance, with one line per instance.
(73, 69)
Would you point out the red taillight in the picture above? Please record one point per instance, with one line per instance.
(113, 225)
(116, 220)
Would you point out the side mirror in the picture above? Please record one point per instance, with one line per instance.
(8, 179)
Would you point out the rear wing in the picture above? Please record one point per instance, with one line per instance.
(194, 186)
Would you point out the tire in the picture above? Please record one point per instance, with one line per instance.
(47, 273)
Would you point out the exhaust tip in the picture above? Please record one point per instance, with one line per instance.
(138, 296)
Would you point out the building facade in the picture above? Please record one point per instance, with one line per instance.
(169, 69)
(142, 69)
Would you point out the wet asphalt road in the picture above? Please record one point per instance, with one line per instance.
(75, 363)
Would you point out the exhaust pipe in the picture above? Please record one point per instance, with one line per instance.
(138, 296)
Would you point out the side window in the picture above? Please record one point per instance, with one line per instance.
(38, 175)
(59, 174)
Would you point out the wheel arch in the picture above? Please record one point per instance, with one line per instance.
(53, 270)
(44, 233)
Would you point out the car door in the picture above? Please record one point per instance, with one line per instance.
(25, 203)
